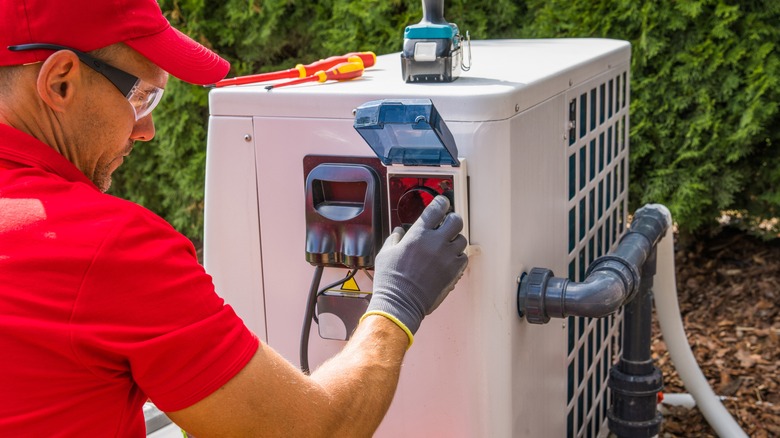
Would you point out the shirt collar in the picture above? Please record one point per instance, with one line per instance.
(26, 150)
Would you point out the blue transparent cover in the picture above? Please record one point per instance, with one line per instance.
(406, 131)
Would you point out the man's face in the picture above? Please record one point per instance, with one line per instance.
(106, 129)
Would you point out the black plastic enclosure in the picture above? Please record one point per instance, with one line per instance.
(344, 214)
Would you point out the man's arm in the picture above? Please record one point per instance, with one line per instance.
(346, 397)
(349, 394)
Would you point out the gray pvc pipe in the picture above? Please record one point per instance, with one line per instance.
(614, 279)
(599, 295)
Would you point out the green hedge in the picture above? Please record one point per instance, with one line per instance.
(705, 126)
(705, 133)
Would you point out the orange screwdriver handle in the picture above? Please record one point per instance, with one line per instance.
(300, 70)
(322, 64)
(368, 59)
(340, 72)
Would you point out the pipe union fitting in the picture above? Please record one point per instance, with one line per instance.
(530, 296)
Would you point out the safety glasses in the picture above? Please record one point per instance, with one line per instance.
(143, 97)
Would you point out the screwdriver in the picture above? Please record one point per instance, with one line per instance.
(300, 70)
(340, 72)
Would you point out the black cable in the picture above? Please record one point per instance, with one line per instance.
(310, 301)
(349, 276)
(311, 304)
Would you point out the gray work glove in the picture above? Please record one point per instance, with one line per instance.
(416, 270)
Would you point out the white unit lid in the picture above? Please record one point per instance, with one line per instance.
(506, 77)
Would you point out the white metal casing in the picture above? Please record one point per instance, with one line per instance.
(476, 369)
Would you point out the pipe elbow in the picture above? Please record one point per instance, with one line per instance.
(601, 294)
(611, 280)
(609, 284)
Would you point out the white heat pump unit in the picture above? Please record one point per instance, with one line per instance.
(537, 162)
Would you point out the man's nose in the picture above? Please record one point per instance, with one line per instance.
(143, 130)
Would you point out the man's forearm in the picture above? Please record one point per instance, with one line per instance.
(349, 394)
(362, 378)
(346, 397)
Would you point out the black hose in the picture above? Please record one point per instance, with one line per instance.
(311, 304)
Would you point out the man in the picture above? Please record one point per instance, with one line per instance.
(103, 305)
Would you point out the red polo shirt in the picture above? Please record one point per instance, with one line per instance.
(102, 304)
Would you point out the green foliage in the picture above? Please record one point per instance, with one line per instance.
(705, 125)
(705, 92)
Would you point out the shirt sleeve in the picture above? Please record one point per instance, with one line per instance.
(147, 311)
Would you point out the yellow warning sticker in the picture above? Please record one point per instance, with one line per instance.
(351, 285)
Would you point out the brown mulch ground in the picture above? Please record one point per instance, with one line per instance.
(729, 293)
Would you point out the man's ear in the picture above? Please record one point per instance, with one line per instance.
(59, 78)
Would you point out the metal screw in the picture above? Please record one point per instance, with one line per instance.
(517, 107)
(247, 138)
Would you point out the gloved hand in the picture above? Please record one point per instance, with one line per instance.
(416, 270)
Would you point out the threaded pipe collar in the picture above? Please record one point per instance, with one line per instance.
(530, 296)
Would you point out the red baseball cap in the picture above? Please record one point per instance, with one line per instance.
(93, 24)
